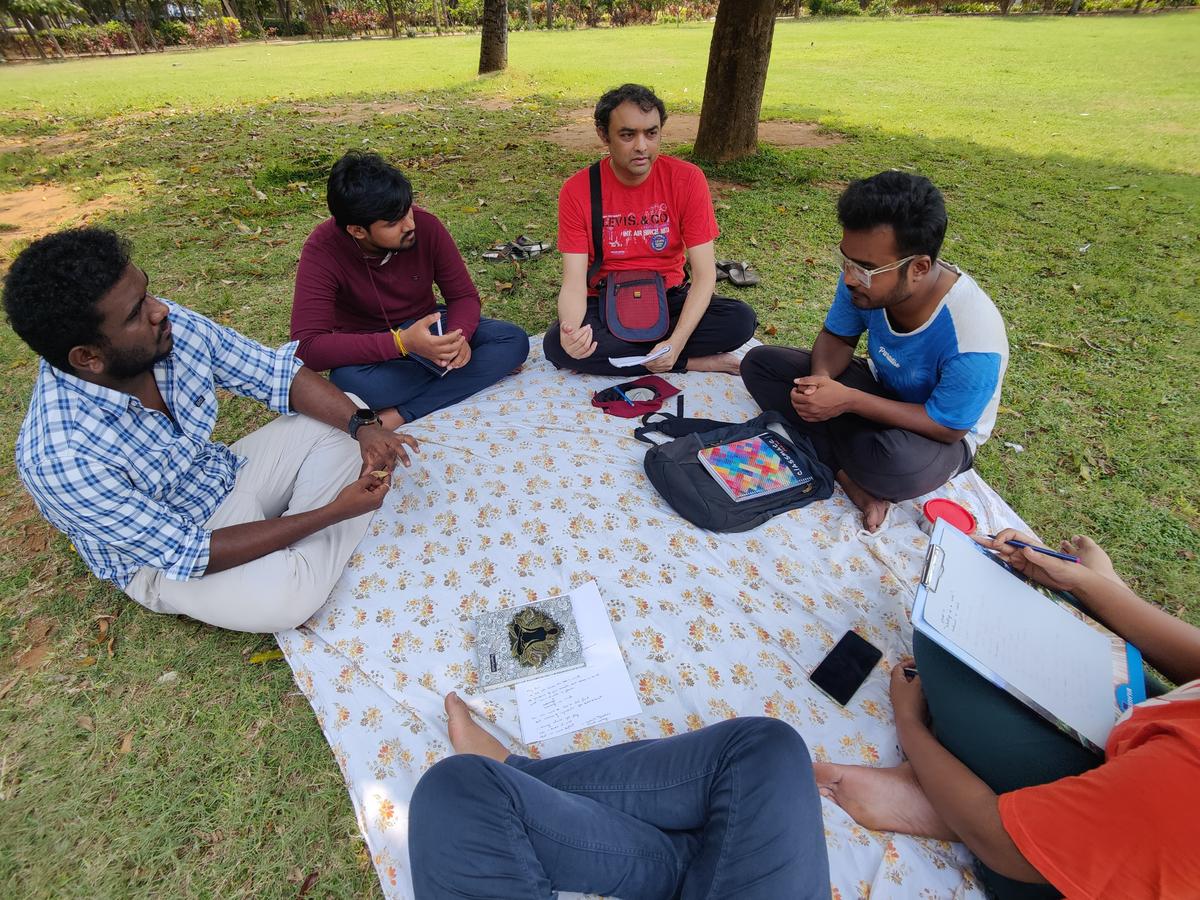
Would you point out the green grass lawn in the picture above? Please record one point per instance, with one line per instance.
(1068, 153)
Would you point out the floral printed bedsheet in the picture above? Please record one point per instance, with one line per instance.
(526, 491)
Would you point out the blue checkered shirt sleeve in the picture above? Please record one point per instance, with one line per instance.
(93, 503)
(246, 367)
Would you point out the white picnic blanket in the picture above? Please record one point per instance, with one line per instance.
(526, 491)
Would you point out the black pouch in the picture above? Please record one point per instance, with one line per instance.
(675, 470)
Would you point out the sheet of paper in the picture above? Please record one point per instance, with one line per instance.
(1028, 640)
(624, 362)
(599, 692)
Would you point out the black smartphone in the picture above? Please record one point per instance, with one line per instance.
(847, 666)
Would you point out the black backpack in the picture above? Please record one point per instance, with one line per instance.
(675, 470)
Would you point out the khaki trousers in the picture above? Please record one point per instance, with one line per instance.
(294, 464)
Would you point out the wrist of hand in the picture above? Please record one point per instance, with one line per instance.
(911, 723)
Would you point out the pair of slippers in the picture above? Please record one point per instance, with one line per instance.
(518, 250)
(739, 274)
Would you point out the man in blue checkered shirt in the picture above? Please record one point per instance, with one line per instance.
(116, 448)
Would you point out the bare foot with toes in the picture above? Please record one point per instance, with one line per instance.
(882, 799)
(874, 510)
(466, 736)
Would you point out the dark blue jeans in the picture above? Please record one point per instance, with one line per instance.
(727, 811)
(415, 391)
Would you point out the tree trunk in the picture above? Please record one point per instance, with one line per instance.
(285, 13)
(129, 23)
(437, 16)
(493, 43)
(549, 14)
(1137, 9)
(1005, 6)
(41, 23)
(150, 33)
(529, 13)
(391, 12)
(799, 6)
(33, 36)
(737, 73)
(1075, 4)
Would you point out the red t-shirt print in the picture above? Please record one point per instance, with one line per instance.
(645, 227)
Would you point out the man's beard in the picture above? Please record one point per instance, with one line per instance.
(125, 364)
(898, 294)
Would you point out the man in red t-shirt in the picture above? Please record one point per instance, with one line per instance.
(657, 213)
(364, 306)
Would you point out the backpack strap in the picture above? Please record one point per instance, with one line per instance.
(597, 205)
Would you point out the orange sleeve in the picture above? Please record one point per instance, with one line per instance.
(1120, 830)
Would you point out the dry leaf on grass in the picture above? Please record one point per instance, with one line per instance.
(126, 742)
(38, 631)
(86, 723)
(308, 883)
(10, 684)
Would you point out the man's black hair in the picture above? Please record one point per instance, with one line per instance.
(52, 291)
(909, 203)
(645, 99)
(364, 188)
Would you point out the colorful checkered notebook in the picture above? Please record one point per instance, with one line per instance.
(753, 467)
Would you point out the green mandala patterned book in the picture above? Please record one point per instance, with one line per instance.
(524, 642)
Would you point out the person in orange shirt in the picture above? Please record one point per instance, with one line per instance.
(1042, 814)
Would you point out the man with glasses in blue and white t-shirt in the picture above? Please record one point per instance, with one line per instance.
(911, 416)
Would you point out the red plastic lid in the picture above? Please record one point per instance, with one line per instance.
(958, 516)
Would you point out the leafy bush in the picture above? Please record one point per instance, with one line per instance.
(93, 39)
(879, 8)
(959, 9)
(281, 28)
(171, 32)
(347, 22)
(208, 32)
(834, 8)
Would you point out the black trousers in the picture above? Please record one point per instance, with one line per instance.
(725, 326)
(889, 463)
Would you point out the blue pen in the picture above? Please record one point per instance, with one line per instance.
(624, 396)
(1067, 556)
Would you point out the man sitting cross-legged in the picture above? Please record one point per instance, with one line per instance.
(729, 811)
(657, 213)
(912, 415)
(116, 448)
(364, 306)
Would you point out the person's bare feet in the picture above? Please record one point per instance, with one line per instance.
(466, 736)
(390, 419)
(882, 799)
(718, 362)
(874, 510)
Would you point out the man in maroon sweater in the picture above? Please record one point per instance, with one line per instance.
(364, 306)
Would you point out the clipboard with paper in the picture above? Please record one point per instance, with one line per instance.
(1039, 648)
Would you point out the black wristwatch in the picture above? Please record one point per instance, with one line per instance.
(360, 418)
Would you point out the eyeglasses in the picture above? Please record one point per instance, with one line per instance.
(863, 275)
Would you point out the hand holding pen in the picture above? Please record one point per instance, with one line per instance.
(1081, 559)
